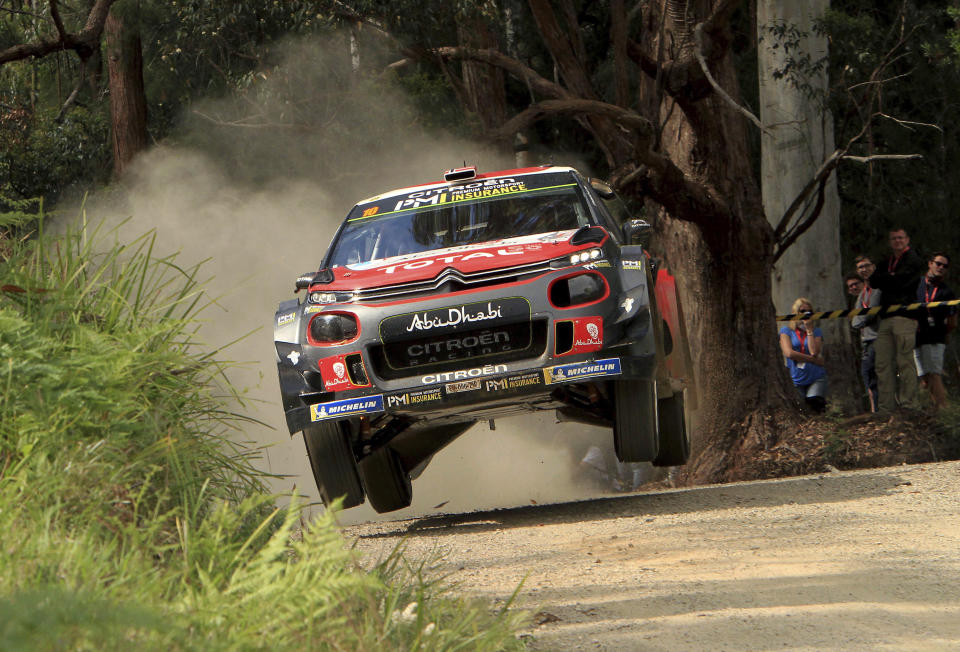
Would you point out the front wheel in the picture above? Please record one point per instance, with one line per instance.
(635, 420)
(333, 464)
(387, 484)
(674, 438)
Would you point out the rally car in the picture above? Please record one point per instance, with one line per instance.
(478, 297)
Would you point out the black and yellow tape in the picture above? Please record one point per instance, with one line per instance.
(899, 309)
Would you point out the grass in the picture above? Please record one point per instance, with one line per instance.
(131, 518)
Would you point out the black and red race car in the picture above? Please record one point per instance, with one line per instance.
(478, 297)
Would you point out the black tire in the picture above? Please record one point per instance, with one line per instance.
(333, 464)
(387, 484)
(635, 420)
(674, 438)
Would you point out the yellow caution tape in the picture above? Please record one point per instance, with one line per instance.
(869, 312)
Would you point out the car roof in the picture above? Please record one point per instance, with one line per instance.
(542, 169)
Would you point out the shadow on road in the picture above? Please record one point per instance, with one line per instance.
(805, 490)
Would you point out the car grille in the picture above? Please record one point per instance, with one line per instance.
(452, 280)
(468, 348)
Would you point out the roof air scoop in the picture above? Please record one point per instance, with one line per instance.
(460, 174)
(588, 233)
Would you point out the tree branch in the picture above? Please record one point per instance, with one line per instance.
(524, 73)
(633, 122)
(84, 42)
(57, 21)
(698, 52)
(881, 157)
(822, 173)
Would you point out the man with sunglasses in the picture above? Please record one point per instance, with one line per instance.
(934, 324)
(897, 279)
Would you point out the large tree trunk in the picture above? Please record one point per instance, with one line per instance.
(128, 101)
(798, 140)
(723, 270)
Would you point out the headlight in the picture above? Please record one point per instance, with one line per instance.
(585, 256)
(332, 328)
(331, 297)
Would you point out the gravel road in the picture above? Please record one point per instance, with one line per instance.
(861, 560)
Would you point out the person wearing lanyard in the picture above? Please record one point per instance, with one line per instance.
(867, 297)
(801, 343)
(934, 326)
(897, 280)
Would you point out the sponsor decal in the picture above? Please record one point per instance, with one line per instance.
(597, 264)
(346, 407)
(627, 305)
(403, 327)
(632, 264)
(293, 357)
(514, 382)
(333, 370)
(482, 340)
(463, 386)
(480, 189)
(427, 262)
(464, 374)
(454, 317)
(459, 346)
(587, 335)
(309, 310)
(286, 319)
(415, 398)
(579, 370)
(371, 211)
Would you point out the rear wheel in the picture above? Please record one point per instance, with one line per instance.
(674, 439)
(635, 420)
(387, 484)
(333, 464)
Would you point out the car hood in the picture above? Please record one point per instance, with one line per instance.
(477, 257)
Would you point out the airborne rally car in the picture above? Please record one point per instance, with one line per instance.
(479, 297)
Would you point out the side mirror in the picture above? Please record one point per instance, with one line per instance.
(602, 188)
(638, 231)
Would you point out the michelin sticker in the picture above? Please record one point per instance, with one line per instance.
(346, 407)
(566, 373)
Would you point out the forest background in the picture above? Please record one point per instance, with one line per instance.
(348, 97)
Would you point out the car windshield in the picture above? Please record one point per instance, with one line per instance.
(457, 222)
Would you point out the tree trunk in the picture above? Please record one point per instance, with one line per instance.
(723, 271)
(798, 141)
(483, 84)
(128, 101)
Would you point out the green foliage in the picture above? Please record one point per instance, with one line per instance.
(43, 157)
(919, 84)
(131, 516)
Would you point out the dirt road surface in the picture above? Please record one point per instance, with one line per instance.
(861, 560)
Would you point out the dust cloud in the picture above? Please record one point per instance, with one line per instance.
(250, 187)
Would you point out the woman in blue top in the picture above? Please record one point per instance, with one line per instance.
(801, 344)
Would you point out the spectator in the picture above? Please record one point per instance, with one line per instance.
(868, 297)
(801, 344)
(934, 326)
(897, 280)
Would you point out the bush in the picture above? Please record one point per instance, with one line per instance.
(130, 515)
